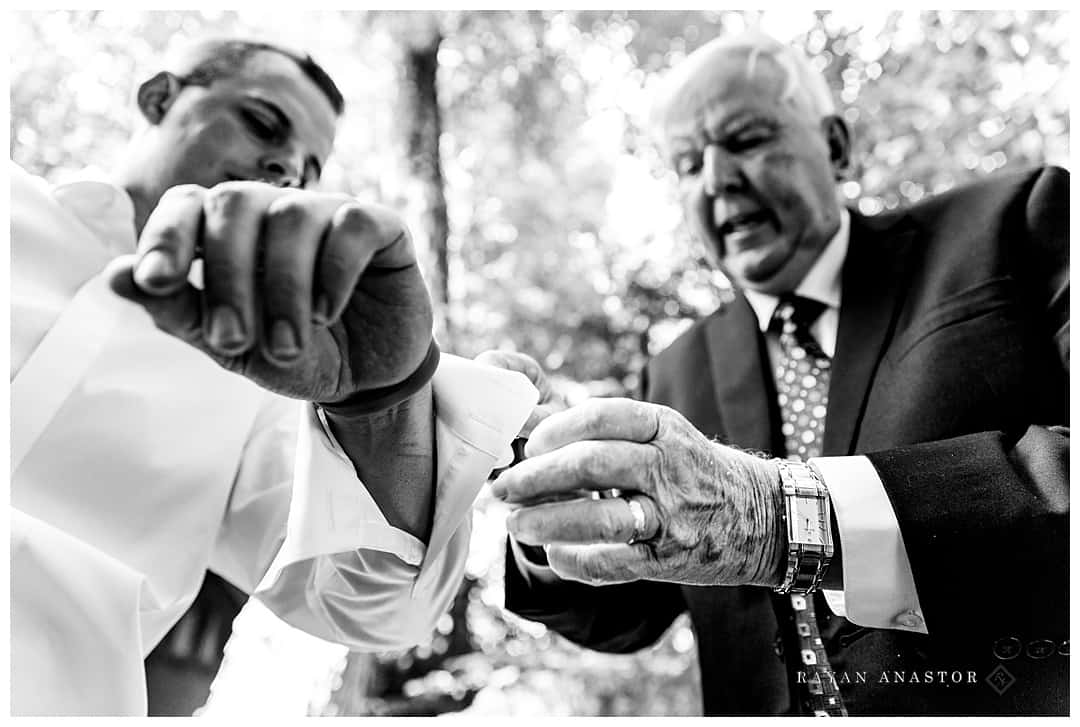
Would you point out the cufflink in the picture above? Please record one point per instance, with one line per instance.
(910, 618)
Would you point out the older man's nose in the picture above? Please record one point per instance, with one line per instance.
(720, 171)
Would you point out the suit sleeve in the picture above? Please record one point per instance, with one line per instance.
(985, 514)
(988, 513)
(617, 619)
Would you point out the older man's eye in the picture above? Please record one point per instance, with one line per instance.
(687, 164)
(748, 139)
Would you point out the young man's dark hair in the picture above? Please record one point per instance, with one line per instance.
(208, 60)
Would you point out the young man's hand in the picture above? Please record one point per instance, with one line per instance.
(313, 296)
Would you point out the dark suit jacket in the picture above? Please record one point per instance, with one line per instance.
(951, 375)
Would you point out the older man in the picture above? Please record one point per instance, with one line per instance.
(924, 352)
(159, 436)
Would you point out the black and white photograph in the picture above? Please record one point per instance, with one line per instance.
(542, 363)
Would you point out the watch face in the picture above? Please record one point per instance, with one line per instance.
(808, 521)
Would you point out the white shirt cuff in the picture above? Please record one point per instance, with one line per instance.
(879, 587)
(479, 410)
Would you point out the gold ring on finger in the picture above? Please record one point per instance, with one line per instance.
(638, 513)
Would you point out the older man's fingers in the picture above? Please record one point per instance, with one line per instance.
(578, 466)
(599, 565)
(168, 241)
(584, 521)
(513, 361)
(537, 415)
(550, 402)
(520, 362)
(624, 419)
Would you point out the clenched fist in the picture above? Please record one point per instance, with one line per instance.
(313, 296)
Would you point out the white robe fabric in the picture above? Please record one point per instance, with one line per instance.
(137, 463)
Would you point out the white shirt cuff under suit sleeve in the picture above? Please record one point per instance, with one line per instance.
(343, 572)
(879, 587)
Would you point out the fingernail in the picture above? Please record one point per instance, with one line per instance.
(321, 312)
(155, 269)
(283, 339)
(226, 329)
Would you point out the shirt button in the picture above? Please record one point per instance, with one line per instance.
(909, 618)
(1008, 647)
(1041, 648)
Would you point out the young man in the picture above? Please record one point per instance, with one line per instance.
(159, 436)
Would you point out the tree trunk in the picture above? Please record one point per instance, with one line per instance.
(371, 685)
(423, 127)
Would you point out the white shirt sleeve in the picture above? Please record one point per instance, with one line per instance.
(344, 573)
(879, 587)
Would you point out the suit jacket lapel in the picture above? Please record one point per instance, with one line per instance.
(873, 276)
(744, 390)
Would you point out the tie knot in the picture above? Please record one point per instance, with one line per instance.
(796, 313)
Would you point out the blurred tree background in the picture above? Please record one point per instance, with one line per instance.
(516, 145)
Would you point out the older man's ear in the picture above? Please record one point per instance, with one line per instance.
(838, 137)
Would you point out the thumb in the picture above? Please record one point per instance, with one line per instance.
(538, 414)
(179, 314)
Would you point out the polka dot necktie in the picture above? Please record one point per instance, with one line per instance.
(802, 378)
(802, 386)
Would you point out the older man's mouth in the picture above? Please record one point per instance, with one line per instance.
(737, 228)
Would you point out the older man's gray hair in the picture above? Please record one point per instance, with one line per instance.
(804, 87)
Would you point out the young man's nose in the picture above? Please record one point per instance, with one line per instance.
(284, 169)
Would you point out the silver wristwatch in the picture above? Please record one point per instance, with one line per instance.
(808, 517)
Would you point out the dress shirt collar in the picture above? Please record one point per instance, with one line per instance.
(103, 206)
(822, 281)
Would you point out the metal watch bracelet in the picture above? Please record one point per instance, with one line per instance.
(807, 517)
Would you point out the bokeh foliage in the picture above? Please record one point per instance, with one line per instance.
(565, 240)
